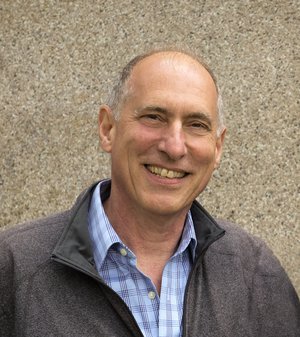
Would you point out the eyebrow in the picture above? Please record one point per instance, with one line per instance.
(198, 115)
(153, 108)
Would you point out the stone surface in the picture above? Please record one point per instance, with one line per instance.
(58, 59)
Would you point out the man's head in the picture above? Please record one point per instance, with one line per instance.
(121, 89)
(167, 139)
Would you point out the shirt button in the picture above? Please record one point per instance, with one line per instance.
(151, 295)
(123, 251)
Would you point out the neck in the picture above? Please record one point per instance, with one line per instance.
(152, 237)
(144, 233)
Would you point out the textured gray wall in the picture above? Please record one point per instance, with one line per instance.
(58, 58)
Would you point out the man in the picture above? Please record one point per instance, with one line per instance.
(137, 255)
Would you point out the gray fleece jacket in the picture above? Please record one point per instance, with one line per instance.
(49, 285)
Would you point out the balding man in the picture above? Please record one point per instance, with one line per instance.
(137, 255)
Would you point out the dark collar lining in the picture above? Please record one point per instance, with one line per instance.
(74, 246)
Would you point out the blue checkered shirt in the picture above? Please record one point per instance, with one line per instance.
(156, 315)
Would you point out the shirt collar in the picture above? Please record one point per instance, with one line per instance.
(101, 231)
(188, 238)
(104, 236)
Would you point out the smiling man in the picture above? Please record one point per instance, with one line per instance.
(164, 147)
(137, 255)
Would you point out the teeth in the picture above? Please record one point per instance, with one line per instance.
(163, 172)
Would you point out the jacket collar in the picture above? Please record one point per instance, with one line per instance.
(74, 247)
(206, 228)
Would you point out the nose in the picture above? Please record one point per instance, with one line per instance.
(173, 142)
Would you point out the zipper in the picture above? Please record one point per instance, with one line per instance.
(195, 266)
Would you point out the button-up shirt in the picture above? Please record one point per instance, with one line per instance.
(156, 314)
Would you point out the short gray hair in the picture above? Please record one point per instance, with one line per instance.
(121, 88)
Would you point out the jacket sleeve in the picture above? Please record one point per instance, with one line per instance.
(258, 289)
(6, 290)
(278, 305)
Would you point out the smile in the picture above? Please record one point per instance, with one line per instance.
(165, 173)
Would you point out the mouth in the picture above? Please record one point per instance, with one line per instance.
(165, 173)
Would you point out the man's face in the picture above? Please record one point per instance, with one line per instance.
(164, 147)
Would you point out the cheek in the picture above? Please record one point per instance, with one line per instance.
(144, 139)
(203, 152)
(129, 146)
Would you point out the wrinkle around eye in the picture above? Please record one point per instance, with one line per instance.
(152, 119)
(153, 116)
(199, 128)
(197, 124)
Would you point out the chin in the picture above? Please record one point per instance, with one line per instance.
(166, 208)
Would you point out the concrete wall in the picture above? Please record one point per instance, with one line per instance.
(58, 58)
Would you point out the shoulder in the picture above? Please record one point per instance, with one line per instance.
(24, 249)
(244, 260)
(34, 229)
(27, 245)
(40, 236)
(252, 252)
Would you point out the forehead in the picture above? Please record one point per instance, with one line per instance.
(170, 63)
(172, 77)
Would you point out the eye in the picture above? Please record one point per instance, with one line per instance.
(198, 126)
(152, 119)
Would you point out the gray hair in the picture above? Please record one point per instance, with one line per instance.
(121, 89)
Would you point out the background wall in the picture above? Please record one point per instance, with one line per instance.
(58, 58)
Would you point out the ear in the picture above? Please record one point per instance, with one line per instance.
(106, 125)
(219, 147)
